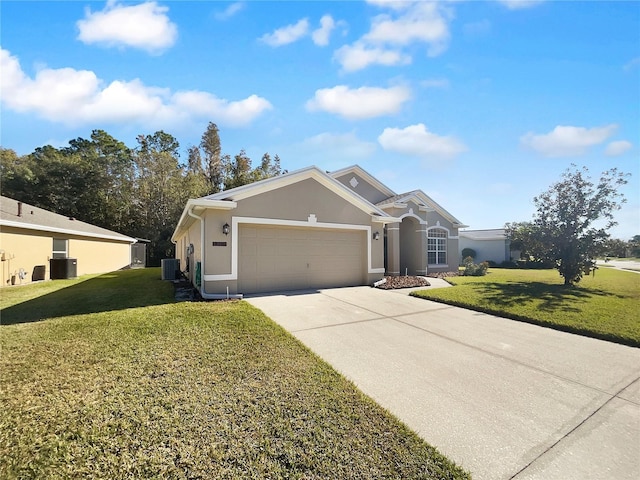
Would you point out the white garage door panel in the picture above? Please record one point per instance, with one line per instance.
(279, 258)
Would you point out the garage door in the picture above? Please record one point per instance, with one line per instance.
(277, 258)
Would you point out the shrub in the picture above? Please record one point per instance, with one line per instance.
(473, 270)
(468, 252)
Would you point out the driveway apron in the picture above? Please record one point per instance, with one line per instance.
(503, 399)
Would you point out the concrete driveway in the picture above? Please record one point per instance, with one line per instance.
(503, 399)
(628, 265)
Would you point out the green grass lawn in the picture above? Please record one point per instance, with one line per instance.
(603, 306)
(108, 377)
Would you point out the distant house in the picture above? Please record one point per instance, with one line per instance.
(489, 245)
(32, 239)
(312, 229)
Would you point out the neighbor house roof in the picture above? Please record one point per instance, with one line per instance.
(488, 234)
(22, 215)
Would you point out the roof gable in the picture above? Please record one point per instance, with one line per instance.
(228, 199)
(423, 200)
(347, 176)
(313, 172)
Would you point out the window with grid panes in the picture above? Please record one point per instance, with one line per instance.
(437, 246)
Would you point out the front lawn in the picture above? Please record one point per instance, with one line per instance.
(108, 377)
(603, 306)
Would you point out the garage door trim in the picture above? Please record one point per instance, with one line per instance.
(310, 223)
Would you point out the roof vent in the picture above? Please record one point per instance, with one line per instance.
(19, 209)
(72, 218)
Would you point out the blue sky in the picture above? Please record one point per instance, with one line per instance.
(481, 104)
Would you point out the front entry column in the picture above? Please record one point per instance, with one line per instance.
(393, 249)
(423, 250)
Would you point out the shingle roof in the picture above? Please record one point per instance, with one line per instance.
(395, 198)
(34, 218)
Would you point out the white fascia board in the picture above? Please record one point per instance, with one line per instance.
(203, 203)
(358, 170)
(66, 231)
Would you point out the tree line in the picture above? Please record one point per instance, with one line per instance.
(139, 192)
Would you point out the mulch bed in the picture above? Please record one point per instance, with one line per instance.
(403, 282)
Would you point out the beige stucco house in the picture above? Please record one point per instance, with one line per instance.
(30, 237)
(312, 229)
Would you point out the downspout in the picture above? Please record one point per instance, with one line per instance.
(203, 293)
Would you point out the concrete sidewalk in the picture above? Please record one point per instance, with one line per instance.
(501, 398)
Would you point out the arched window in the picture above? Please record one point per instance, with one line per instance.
(437, 246)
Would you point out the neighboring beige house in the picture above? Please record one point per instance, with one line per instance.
(310, 229)
(489, 245)
(30, 237)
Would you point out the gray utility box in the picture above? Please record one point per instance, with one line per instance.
(60, 268)
(170, 268)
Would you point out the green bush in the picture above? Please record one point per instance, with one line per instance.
(474, 270)
(468, 252)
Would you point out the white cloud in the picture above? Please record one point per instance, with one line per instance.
(423, 22)
(78, 97)
(230, 11)
(343, 145)
(567, 141)
(358, 56)
(360, 103)
(618, 148)
(233, 113)
(418, 141)
(321, 35)
(393, 4)
(145, 26)
(286, 35)
(520, 4)
(407, 23)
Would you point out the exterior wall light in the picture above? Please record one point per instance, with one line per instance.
(225, 229)
(376, 236)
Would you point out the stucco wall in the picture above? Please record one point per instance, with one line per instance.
(410, 249)
(96, 256)
(29, 248)
(486, 250)
(296, 202)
